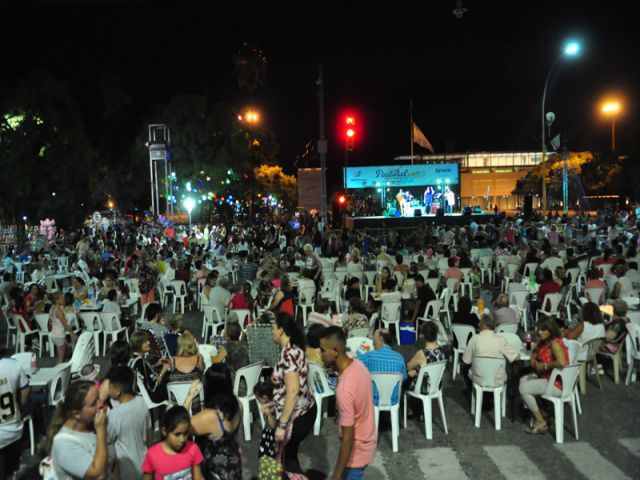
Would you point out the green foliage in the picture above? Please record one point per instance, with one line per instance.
(43, 149)
(272, 180)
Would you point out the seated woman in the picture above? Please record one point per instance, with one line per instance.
(549, 353)
(617, 327)
(187, 365)
(234, 353)
(463, 315)
(589, 327)
(430, 353)
(108, 284)
(209, 284)
(155, 376)
(357, 315)
(80, 290)
(385, 282)
(283, 301)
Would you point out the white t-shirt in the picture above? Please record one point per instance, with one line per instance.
(589, 332)
(12, 380)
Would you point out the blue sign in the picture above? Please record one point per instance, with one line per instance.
(401, 175)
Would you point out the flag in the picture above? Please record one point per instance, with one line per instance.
(420, 139)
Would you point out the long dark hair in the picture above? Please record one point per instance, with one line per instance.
(549, 325)
(218, 391)
(73, 400)
(290, 327)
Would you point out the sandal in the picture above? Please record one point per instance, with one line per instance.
(537, 430)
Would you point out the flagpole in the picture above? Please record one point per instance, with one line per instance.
(411, 127)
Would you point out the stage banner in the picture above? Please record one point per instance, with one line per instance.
(401, 176)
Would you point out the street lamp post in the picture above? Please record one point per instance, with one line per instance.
(189, 203)
(571, 49)
(612, 109)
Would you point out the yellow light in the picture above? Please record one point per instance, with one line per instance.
(611, 108)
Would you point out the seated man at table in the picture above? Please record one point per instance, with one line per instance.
(504, 314)
(424, 296)
(486, 344)
(384, 360)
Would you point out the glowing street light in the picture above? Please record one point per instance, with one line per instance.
(250, 116)
(571, 49)
(611, 109)
(189, 203)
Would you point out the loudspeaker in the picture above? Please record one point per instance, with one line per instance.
(466, 210)
(417, 212)
(440, 212)
(528, 205)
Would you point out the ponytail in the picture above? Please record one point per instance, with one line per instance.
(73, 400)
(291, 329)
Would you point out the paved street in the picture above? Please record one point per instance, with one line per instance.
(608, 448)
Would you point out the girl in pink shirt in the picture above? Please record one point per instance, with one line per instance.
(176, 457)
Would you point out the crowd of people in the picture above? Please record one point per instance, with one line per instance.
(274, 269)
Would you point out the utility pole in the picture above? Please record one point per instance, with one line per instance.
(322, 149)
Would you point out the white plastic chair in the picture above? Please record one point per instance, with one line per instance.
(518, 300)
(386, 383)
(391, 316)
(529, 268)
(605, 269)
(24, 331)
(485, 263)
(320, 389)
(133, 284)
(434, 373)
(569, 375)
(93, 323)
(179, 289)
(211, 320)
(632, 344)
(553, 309)
(489, 367)
(434, 283)
(507, 328)
(431, 312)
(462, 334)
(82, 353)
(592, 347)
(512, 339)
(453, 289)
(59, 384)
(25, 360)
(306, 301)
(244, 316)
(251, 375)
(151, 405)
(595, 295)
(178, 392)
(111, 329)
(509, 276)
(44, 332)
(12, 326)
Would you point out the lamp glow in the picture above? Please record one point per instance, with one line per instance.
(572, 49)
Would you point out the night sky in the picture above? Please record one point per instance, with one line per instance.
(476, 83)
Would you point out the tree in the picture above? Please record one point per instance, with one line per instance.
(272, 180)
(44, 151)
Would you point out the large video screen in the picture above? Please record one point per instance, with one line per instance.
(407, 188)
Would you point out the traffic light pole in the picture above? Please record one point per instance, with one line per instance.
(322, 150)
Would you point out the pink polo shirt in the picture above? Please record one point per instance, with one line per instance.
(354, 397)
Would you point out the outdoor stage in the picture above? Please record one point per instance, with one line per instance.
(377, 223)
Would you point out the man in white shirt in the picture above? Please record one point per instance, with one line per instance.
(170, 274)
(633, 275)
(488, 344)
(220, 296)
(14, 392)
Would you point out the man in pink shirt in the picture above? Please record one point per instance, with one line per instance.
(354, 397)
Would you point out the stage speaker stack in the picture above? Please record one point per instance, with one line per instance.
(528, 205)
(417, 212)
(440, 212)
(466, 210)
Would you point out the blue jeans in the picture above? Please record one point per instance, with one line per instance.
(353, 473)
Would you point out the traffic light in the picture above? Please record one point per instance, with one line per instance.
(342, 200)
(350, 131)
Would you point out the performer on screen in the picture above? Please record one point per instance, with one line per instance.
(400, 199)
(449, 200)
(407, 203)
(428, 199)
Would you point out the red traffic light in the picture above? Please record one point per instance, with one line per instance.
(351, 132)
(342, 199)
